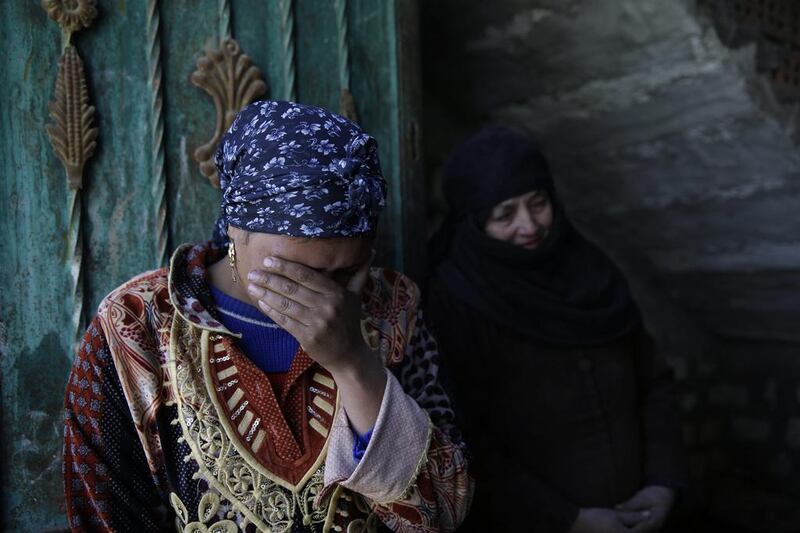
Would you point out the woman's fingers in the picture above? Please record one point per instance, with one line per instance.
(282, 285)
(301, 274)
(281, 304)
(294, 327)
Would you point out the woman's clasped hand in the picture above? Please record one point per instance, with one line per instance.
(645, 512)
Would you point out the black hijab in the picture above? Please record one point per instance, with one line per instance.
(566, 292)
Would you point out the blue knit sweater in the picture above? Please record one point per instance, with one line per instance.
(269, 346)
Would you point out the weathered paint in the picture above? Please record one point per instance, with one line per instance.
(35, 286)
(317, 59)
(373, 83)
(119, 212)
(118, 204)
(189, 119)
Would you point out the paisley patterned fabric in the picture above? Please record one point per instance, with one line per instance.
(299, 170)
(167, 427)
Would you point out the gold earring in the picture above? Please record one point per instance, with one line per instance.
(232, 261)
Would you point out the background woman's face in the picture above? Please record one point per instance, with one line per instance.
(523, 220)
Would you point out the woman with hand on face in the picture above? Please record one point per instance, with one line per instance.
(568, 411)
(270, 380)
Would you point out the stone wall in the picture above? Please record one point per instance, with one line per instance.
(674, 149)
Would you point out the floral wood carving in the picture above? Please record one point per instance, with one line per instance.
(229, 76)
(72, 136)
(71, 132)
(71, 15)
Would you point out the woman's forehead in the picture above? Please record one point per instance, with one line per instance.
(521, 198)
(318, 253)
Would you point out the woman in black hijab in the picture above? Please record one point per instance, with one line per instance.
(569, 412)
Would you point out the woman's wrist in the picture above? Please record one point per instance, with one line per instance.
(361, 364)
(361, 382)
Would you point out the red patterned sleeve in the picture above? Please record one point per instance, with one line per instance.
(413, 474)
(107, 483)
(440, 496)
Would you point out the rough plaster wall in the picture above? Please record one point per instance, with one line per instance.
(670, 152)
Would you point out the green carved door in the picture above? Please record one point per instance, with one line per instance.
(164, 77)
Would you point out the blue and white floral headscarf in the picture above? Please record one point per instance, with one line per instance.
(299, 170)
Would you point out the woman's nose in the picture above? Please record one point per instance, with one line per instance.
(525, 223)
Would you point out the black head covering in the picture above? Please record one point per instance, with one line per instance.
(566, 292)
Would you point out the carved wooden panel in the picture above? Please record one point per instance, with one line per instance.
(72, 133)
(229, 76)
(73, 138)
(71, 15)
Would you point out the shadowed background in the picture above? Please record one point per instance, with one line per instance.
(671, 129)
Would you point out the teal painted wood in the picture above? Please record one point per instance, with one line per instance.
(120, 218)
(224, 19)
(373, 84)
(317, 59)
(395, 207)
(412, 204)
(35, 346)
(288, 49)
(257, 28)
(342, 43)
(158, 175)
(189, 120)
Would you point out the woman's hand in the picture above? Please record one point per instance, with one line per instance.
(597, 520)
(655, 499)
(324, 317)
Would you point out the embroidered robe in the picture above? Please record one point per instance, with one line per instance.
(169, 426)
